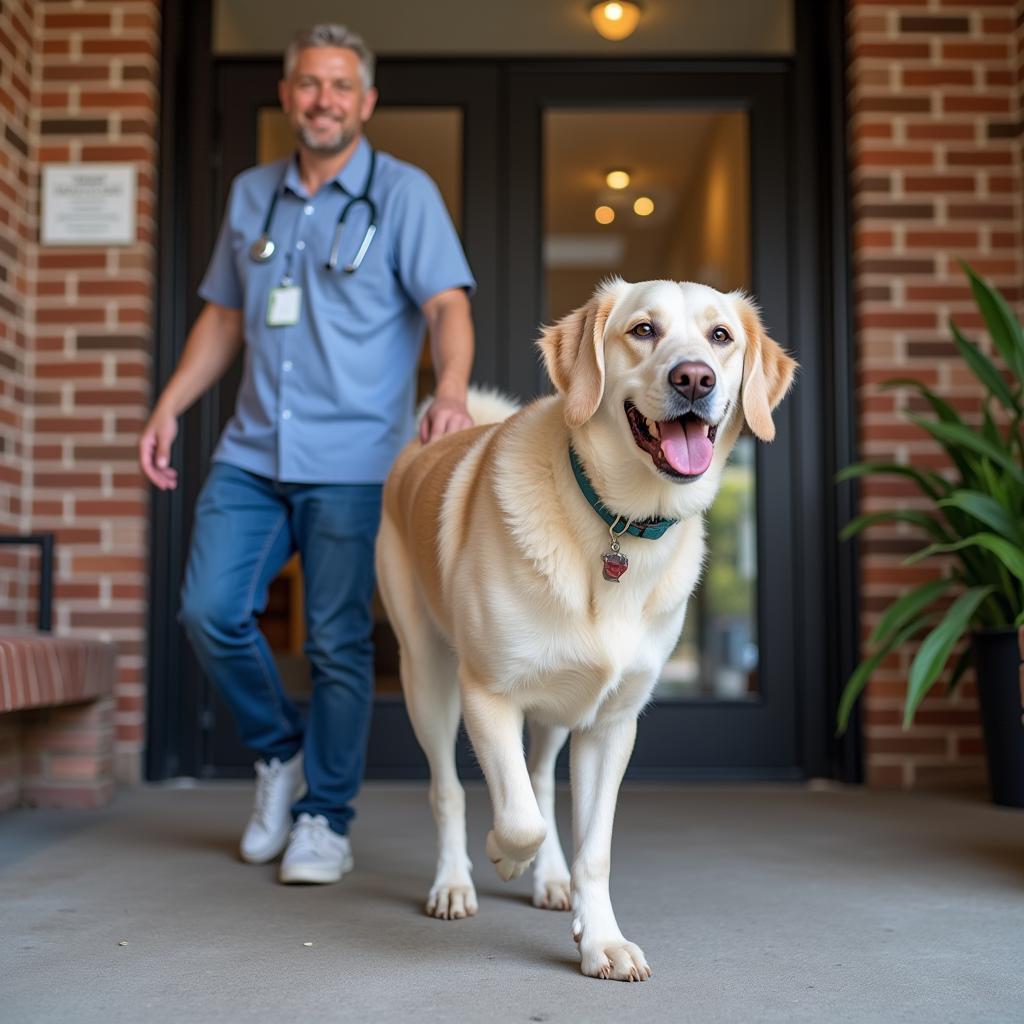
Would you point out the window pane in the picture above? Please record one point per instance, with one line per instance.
(683, 214)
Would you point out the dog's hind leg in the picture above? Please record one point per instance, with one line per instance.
(550, 871)
(428, 672)
(432, 699)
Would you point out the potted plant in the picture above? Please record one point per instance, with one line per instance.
(976, 513)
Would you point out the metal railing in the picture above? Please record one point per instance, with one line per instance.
(44, 541)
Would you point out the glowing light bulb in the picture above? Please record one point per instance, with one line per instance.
(617, 179)
(615, 19)
(643, 206)
(604, 215)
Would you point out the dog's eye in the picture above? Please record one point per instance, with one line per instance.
(643, 330)
(720, 336)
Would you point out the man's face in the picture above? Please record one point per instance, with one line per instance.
(325, 100)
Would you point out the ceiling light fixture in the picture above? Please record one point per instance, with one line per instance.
(643, 206)
(604, 215)
(615, 19)
(617, 179)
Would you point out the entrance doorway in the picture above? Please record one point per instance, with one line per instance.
(522, 153)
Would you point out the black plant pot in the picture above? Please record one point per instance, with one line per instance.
(997, 659)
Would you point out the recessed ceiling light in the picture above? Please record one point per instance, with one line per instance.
(604, 215)
(617, 179)
(643, 206)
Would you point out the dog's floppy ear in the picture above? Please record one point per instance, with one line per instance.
(573, 352)
(767, 372)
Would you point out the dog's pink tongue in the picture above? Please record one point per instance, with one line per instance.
(686, 445)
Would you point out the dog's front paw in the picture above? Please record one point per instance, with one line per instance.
(448, 901)
(614, 960)
(510, 860)
(551, 893)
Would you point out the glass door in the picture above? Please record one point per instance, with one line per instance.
(653, 193)
(683, 176)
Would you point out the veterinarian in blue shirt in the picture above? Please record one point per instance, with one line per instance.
(327, 268)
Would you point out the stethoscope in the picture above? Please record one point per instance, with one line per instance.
(263, 248)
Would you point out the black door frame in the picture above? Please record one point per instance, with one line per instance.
(823, 585)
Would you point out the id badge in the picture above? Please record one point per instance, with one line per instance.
(284, 306)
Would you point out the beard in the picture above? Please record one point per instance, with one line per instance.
(325, 144)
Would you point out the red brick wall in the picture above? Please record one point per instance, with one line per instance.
(15, 169)
(935, 102)
(1019, 15)
(88, 330)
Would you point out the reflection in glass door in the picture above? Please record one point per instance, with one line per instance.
(647, 194)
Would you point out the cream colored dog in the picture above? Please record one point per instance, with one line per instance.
(511, 597)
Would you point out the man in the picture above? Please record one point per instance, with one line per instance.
(329, 300)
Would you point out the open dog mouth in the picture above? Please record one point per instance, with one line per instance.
(681, 448)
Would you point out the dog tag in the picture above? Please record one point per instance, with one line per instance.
(615, 563)
(284, 306)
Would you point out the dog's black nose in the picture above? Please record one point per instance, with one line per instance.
(692, 380)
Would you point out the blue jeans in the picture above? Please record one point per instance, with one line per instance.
(246, 528)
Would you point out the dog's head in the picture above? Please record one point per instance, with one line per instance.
(674, 369)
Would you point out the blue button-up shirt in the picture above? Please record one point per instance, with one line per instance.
(330, 398)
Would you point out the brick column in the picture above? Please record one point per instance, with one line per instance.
(79, 84)
(935, 102)
(15, 238)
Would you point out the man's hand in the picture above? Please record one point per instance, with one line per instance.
(444, 416)
(214, 341)
(155, 450)
(451, 352)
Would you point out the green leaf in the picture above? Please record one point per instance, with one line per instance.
(922, 519)
(1006, 330)
(937, 646)
(987, 510)
(931, 483)
(997, 484)
(959, 668)
(906, 608)
(1010, 555)
(984, 369)
(989, 428)
(953, 436)
(856, 683)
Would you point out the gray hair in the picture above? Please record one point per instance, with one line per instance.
(331, 35)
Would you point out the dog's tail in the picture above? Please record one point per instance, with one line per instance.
(486, 405)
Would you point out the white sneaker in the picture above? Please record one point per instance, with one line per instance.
(315, 853)
(278, 785)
